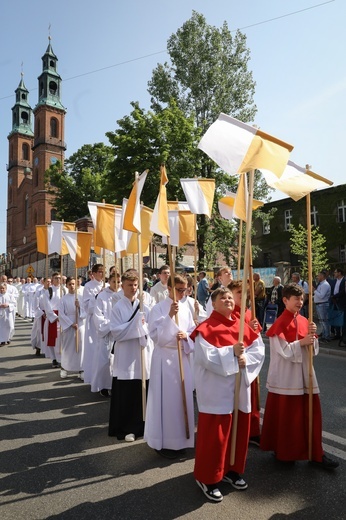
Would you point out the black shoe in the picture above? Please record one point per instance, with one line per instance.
(255, 440)
(55, 364)
(326, 463)
(235, 480)
(211, 491)
(38, 352)
(104, 392)
(168, 454)
(2, 343)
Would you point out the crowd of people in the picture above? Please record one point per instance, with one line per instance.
(151, 351)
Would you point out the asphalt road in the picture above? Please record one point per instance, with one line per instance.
(57, 462)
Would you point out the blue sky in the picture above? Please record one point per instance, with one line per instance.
(297, 60)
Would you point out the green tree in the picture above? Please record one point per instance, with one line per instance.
(81, 180)
(208, 74)
(144, 140)
(299, 247)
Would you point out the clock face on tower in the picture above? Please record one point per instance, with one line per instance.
(53, 160)
(36, 161)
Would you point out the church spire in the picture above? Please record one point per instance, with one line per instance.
(22, 111)
(49, 82)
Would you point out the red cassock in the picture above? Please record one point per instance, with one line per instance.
(286, 418)
(214, 431)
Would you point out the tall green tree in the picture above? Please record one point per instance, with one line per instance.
(299, 247)
(208, 74)
(81, 180)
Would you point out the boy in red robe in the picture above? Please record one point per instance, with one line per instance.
(286, 418)
(218, 358)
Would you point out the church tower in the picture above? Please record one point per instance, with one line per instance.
(49, 146)
(19, 168)
(30, 155)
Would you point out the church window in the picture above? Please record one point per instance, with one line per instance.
(25, 152)
(53, 88)
(24, 97)
(54, 127)
(24, 117)
(52, 64)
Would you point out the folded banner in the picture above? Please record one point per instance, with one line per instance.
(159, 222)
(296, 181)
(199, 194)
(78, 244)
(42, 238)
(181, 226)
(132, 218)
(234, 205)
(56, 242)
(146, 233)
(238, 148)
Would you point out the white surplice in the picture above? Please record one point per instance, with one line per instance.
(165, 422)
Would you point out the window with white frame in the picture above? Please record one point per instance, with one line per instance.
(314, 216)
(266, 227)
(341, 211)
(288, 219)
(342, 253)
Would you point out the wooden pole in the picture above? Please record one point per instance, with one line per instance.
(195, 262)
(181, 367)
(143, 371)
(310, 317)
(77, 311)
(251, 284)
(240, 243)
(242, 313)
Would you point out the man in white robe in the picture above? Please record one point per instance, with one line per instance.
(6, 316)
(37, 331)
(165, 428)
(91, 289)
(51, 326)
(102, 377)
(159, 291)
(131, 365)
(28, 291)
(71, 319)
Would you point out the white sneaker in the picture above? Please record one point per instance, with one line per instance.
(63, 373)
(81, 375)
(130, 437)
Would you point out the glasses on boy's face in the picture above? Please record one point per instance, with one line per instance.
(181, 291)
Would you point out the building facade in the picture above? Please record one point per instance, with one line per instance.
(328, 212)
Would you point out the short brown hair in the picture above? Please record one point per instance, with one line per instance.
(131, 276)
(178, 278)
(219, 290)
(235, 284)
(292, 289)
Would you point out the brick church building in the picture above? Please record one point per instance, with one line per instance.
(35, 142)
